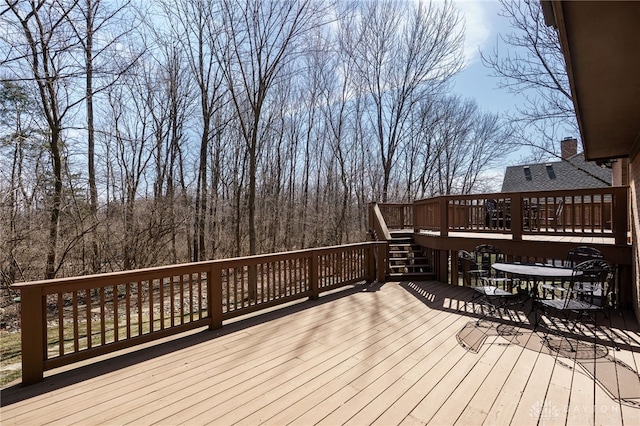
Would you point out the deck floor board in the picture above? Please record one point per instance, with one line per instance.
(398, 353)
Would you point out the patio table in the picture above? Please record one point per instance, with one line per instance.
(534, 272)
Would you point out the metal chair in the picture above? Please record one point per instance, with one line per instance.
(484, 256)
(495, 290)
(575, 256)
(581, 254)
(471, 271)
(566, 315)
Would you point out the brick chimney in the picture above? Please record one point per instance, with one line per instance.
(568, 147)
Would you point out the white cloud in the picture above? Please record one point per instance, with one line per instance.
(480, 18)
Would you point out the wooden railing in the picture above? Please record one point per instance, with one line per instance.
(71, 319)
(378, 223)
(397, 215)
(581, 212)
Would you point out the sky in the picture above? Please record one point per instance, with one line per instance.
(483, 25)
(482, 28)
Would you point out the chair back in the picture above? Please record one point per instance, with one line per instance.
(486, 255)
(591, 282)
(466, 263)
(580, 254)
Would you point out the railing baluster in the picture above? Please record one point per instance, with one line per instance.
(158, 305)
(128, 308)
(260, 274)
(190, 297)
(116, 317)
(60, 325)
(103, 329)
(200, 295)
(87, 309)
(76, 325)
(181, 288)
(151, 287)
(280, 284)
(139, 306)
(172, 294)
(234, 271)
(230, 292)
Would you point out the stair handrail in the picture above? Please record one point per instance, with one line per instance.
(378, 223)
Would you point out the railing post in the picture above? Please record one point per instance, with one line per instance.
(33, 334)
(382, 255)
(313, 275)
(371, 262)
(620, 220)
(214, 295)
(517, 222)
(444, 216)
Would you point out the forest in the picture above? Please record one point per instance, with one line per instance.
(135, 133)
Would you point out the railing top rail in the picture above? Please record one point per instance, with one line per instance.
(137, 274)
(557, 192)
(394, 203)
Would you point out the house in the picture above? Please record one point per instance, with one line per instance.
(572, 172)
(601, 46)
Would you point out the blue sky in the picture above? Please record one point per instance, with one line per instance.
(483, 26)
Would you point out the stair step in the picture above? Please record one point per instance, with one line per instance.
(404, 249)
(415, 275)
(409, 268)
(404, 259)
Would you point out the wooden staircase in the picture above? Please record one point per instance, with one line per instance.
(406, 259)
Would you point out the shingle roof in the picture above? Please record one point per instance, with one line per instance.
(573, 173)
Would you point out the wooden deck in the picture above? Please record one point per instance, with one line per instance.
(575, 239)
(399, 353)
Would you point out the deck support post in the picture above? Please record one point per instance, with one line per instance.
(443, 269)
(33, 334)
(454, 267)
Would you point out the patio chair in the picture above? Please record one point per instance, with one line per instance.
(590, 281)
(530, 211)
(495, 290)
(484, 256)
(575, 256)
(497, 214)
(581, 254)
(471, 271)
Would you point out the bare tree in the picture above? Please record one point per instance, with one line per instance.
(534, 68)
(40, 39)
(91, 21)
(469, 143)
(263, 37)
(196, 28)
(403, 53)
(20, 144)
